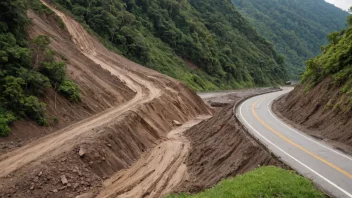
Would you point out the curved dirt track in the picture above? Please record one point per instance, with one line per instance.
(145, 92)
(157, 172)
(157, 96)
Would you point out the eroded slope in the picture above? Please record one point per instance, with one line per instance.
(87, 152)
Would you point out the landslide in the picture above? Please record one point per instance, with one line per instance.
(134, 109)
(99, 89)
(203, 43)
(323, 103)
(221, 148)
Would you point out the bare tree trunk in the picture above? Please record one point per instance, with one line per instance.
(55, 96)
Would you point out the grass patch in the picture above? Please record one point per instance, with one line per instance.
(266, 182)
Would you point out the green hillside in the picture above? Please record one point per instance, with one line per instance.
(298, 28)
(335, 61)
(225, 51)
(27, 69)
(266, 181)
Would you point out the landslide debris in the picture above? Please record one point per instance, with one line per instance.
(221, 148)
(109, 139)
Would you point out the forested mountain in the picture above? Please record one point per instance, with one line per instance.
(171, 36)
(297, 28)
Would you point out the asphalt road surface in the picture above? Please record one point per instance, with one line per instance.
(329, 169)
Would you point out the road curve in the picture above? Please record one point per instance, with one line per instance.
(327, 167)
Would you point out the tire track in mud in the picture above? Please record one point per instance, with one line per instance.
(157, 172)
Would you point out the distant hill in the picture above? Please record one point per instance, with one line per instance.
(298, 28)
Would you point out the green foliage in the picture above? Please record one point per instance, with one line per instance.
(335, 61)
(6, 118)
(22, 80)
(162, 34)
(42, 42)
(297, 28)
(70, 90)
(35, 109)
(55, 71)
(262, 182)
(38, 7)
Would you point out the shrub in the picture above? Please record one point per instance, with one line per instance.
(6, 118)
(70, 90)
(35, 109)
(55, 71)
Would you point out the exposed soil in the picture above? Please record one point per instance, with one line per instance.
(221, 147)
(128, 137)
(157, 172)
(99, 89)
(219, 99)
(131, 109)
(313, 112)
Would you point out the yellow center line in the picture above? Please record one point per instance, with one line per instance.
(296, 145)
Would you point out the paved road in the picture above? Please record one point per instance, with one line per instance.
(329, 169)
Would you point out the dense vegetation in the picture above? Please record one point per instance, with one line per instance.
(165, 34)
(335, 61)
(297, 28)
(27, 69)
(262, 182)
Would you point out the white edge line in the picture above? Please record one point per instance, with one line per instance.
(299, 133)
(327, 180)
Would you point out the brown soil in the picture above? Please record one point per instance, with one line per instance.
(312, 113)
(127, 110)
(99, 89)
(221, 148)
(124, 139)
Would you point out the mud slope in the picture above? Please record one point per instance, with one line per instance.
(221, 148)
(132, 112)
(99, 89)
(314, 112)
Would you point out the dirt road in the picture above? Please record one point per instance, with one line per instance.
(133, 130)
(157, 172)
(63, 139)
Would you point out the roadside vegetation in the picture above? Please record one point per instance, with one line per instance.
(266, 182)
(297, 28)
(165, 34)
(335, 61)
(27, 69)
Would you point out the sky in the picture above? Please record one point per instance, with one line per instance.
(343, 4)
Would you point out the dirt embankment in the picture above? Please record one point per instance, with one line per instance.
(221, 148)
(99, 89)
(122, 140)
(316, 113)
(127, 111)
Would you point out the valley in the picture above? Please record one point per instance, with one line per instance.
(98, 99)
